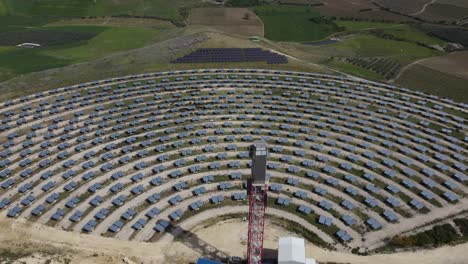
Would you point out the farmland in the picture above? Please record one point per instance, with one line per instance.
(372, 46)
(168, 9)
(410, 34)
(450, 34)
(461, 3)
(350, 25)
(455, 63)
(293, 23)
(49, 37)
(386, 67)
(355, 70)
(358, 9)
(403, 6)
(109, 41)
(431, 81)
(66, 45)
(443, 12)
(240, 21)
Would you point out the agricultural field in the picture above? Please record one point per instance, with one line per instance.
(425, 79)
(410, 34)
(386, 67)
(444, 12)
(347, 67)
(403, 6)
(358, 9)
(300, 2)
(350, 25)
(455, 63)
(294, 23)
(162, 25)
(398, 31)
(49, 36)
(450, 34)
(65, 45)
(372, 46)
(239, 21)
(109, 41)
(167, 9)
(460, 3)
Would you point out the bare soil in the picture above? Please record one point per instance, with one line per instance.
(233, 241)
(403, 6)
(240, 21)
(455, 63)
(361, 9)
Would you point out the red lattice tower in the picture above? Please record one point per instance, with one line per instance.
(258, 198)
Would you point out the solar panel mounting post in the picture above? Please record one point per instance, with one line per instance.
(257, 202)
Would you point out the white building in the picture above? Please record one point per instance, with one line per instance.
(291, 250)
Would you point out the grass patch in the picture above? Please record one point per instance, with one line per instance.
(18, 22)
(410, 34)
(168, 9)
(109, 41)
(372, 46)
(349, 68)
(21, 61)
(294, 23)
(350, 25)
(439, 235)
(462, 224)
(69, 44)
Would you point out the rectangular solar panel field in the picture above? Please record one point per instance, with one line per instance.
(232, 55)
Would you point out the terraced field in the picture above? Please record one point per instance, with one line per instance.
(134, 157)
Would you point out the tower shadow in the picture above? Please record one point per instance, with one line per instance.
(194, 242)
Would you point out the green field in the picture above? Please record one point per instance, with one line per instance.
(353, 70)
(350, 25)
(293, 23)
(168, 9)
(15, 61)
(109, 41)
(372, 46)
(411, 34)
(400, 31)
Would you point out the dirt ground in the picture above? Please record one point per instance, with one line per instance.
(239, 21)
(455, 63)
(234, 238)
(34, 243)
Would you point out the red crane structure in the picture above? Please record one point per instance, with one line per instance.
(257, 203)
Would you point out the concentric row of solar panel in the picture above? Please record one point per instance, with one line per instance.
(236, 102)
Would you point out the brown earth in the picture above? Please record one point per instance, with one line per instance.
(461, 3)
(360, 9)
(403, 6)
(425, 79)
(455, 63)
(445, 12)
(239, 21)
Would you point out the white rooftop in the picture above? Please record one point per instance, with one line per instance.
(291, 250)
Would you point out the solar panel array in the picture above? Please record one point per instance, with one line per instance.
(127, 157)
(232, 55)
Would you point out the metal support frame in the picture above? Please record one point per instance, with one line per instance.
(257, 205)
